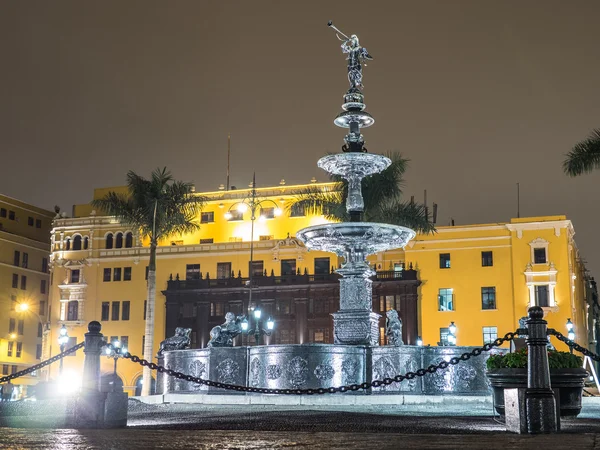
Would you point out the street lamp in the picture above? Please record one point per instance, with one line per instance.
(258, 330)
(452, 329)
(419, 341)
(115, 353)
(571, 333)
(63, 338)
(252, 204)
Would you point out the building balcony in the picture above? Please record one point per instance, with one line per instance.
(283, 280)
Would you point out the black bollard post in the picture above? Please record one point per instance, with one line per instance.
(539, 397)
(92, 350)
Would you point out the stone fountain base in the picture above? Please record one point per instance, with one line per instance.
(323, 366)
(356, 327)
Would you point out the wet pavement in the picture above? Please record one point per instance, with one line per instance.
(270, 427)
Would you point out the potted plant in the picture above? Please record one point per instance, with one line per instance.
(567, 377)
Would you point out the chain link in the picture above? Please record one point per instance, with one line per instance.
(331, 390)
(573, 344)
(42, 364)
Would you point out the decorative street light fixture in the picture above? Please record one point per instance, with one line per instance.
(252, 203)
(258, 330)
(452, 329)
(571, 333)
(63, 338)
(419, 341)
(115, 355)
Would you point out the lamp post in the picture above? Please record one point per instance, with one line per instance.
(419, 341)
(452, 329)
(258, 330)
(115, 355)
(252, 203)
(63, 338)
(25, 308)
(571, 333)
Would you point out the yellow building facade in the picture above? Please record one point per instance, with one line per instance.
(481, 277)
(24, 287)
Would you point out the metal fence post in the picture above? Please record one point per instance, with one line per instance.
(92, 350)
(539, 397)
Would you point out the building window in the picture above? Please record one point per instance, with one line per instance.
(267, 213)
(25, 264)
(24, 282)
(38, 223)
(207, 217)
(19, 349)
(13, 369)
(188, 310)
(192, 271)
(320, 335)
(21, 327)
(115, 310)
(128, 239)
(297, 211)
(15, 281)
(30, 221)
(235, 239)
(288, 267)
(2, 212)
(127, 274)
(109, 241)
(73, 310)
(42, 286)
(17, 258)
(223, 270)
(322, 266)
(216, 309)
(236, 215)
(490, 334)
(488, 298)
(13, 302)
(257, 268)
(38, 351)
(143, 343)
(68, 244)
(265, 237)
(10, 348)
(5, 367)
(105, 310)
(285, 336)
(106, 276)
(444, 260)
(72, 342)
(207, 241)
(145, 306)
(77, 242)
(42, 310)
(446, 299)
(45, 265)
(146, 276)
(86, 243)
(125, 342)
(541, 296)
(443, 337)
(11, 215)
(125, 312)
(75, 276)
(539, 255)
(40, 330)
(12, 325)
(119, 240)
(117, 274)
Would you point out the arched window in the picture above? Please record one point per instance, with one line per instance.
(138, 386)
(68, 245)
(119, 240)
(110, 382)
(128, 240)
(109, 241)
(85, 243)
(77, 243)
(73, 310)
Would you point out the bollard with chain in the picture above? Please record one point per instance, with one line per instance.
(91, 366)
(539, 397)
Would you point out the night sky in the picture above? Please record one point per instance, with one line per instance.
(478, 95)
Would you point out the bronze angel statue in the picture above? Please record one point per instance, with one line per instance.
(357, 56)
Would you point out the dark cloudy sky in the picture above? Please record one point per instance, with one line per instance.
(479, 95)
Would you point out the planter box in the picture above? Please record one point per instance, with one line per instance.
(567, 382)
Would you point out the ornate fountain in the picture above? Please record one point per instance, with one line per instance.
(355, 356)
(355, 323)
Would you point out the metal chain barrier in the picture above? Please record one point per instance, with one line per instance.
(573, 344)
(332, 390)
(42, 364)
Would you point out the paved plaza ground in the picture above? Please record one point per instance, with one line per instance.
(284, 427)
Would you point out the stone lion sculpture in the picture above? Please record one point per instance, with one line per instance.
(180, 341)
(223, 335)
(393, 328)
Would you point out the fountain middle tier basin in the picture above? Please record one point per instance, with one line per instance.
(351, 165)
(350, 238)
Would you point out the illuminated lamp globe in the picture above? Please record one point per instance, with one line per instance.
(228, 215)
(270, 324)
(257, 313)
(242, 207)
(452, 328)
(244, 325)
(278, 212)
(419, 341)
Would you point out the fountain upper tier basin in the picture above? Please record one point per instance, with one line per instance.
(354, 165)
(355, 237)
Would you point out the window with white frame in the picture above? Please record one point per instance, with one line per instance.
(490, 334)
(539, 251)
(446, 299)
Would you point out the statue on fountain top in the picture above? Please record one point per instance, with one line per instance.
(356, 58)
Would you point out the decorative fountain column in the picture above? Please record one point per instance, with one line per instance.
(355, 323)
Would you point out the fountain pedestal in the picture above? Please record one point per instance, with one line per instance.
(356, 327)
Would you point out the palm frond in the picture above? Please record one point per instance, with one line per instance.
(406, 214)
(314, 200)
(584, 157)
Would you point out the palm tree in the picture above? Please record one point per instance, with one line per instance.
(382, 194)
(584, 157)
(158, 207)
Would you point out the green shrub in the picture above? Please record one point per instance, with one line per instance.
(518, 360)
